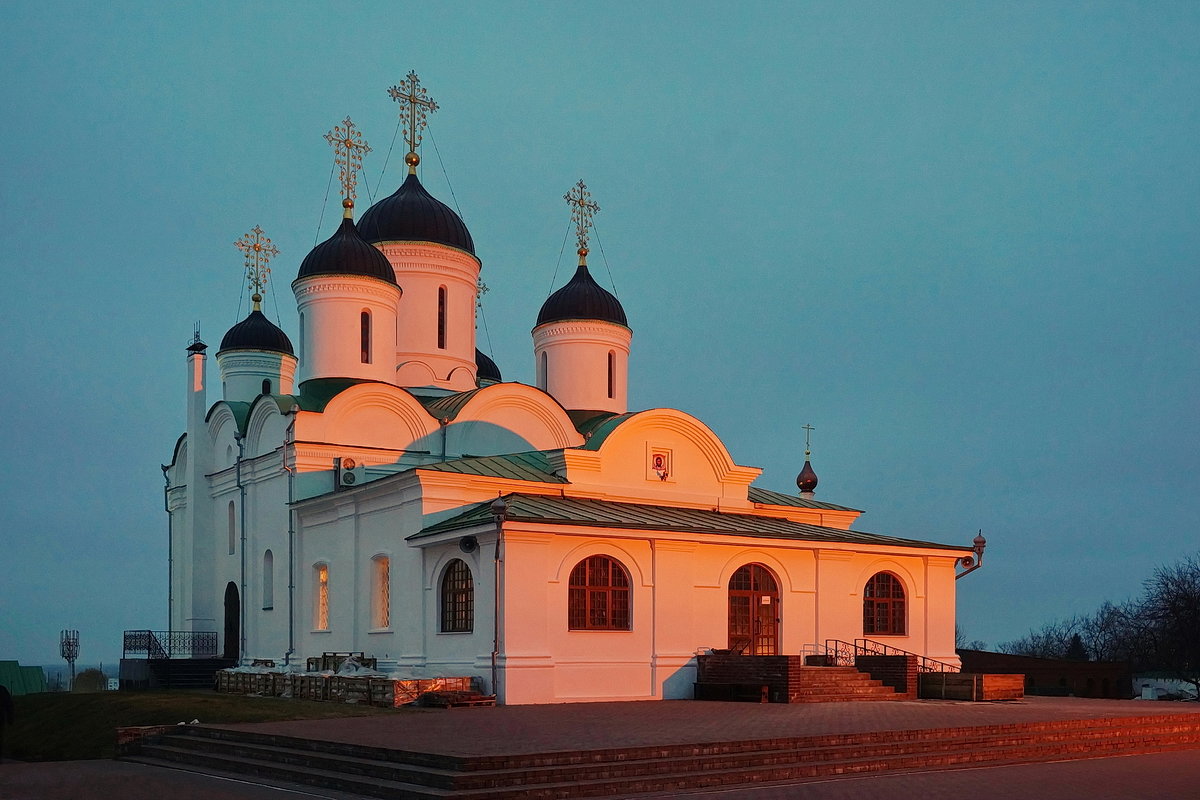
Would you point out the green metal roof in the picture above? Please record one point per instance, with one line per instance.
(597, 429)
(533, 466)
(22, 680)
(446, 407)
(315, 394)
(769, 498)
(604, 514)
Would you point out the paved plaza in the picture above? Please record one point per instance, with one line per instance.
(526, 729)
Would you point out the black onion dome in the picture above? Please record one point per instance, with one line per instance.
(582, 298)
(414, 215)
(485, 368)
(807, 479)
(346, 253)
(256, 332)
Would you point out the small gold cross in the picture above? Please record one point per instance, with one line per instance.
(583, 209)
(348, 147)
(258, 251)
(420, 104)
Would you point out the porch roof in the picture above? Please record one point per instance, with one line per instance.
(587, 512)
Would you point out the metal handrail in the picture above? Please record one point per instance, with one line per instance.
(156, 645)
(844, 653)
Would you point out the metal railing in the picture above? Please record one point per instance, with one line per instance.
(153, 645)
(841, 653)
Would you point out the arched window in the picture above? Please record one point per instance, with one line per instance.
(458, 598)
(266, 386)
(268, 581)
(441, 322)
(320, 597)
(303, 347)
(883, 606)
(598, 598)
(365, 336)
(381, 592)
(231, 524)
(612, 374)
(543, 368)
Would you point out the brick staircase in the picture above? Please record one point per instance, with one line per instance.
(786, 679)
(380, 772)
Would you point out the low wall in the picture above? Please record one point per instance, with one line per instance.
(971, 686)
(752, 672)
(373, 690)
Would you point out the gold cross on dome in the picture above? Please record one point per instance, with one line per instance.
(258, 251)
(582, 211)
(348, 148)
(808, 429)
(410, 91)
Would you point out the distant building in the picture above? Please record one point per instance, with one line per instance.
(22, 680)
(1056, 676)
(379, 487)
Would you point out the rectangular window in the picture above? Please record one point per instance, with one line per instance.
(441, 320)
(365, 337)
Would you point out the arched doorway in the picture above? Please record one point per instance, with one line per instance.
(233, 616)
(753, 611)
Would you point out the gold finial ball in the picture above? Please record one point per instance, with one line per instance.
(347, 203)
(583, 251)
(412, 159)
(256, 297)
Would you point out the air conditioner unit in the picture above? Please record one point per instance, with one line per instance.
(347, 473)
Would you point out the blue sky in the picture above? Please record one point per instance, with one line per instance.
(960, 239)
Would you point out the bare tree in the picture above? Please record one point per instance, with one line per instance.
(1159, 631)
(1052, 640)
(1171, 610)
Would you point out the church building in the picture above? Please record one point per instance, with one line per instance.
(376, 485)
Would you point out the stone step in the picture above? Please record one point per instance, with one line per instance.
(668, 775)
(1181, 723)
(698, 767)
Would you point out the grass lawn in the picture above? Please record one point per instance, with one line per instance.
(60, 726)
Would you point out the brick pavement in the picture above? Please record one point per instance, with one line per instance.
(516, 729)
(591, 726)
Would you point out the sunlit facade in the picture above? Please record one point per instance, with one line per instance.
(352, 484)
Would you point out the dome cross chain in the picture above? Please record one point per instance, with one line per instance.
(583, 209)
(258, 251)
(410, 92)
(348, 147)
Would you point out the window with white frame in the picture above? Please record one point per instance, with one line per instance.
(321, 597)
(381, 592)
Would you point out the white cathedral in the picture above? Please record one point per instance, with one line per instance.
(380, 488)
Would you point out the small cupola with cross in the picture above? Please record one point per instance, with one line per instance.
(256, 356)
(582, 337)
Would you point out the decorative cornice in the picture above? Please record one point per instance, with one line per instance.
(575, 329)
(426, 251)
(253, 359)
(345, 284)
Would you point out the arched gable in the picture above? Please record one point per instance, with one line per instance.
(222, 429)
(663, 449)
(508, 418)
(179, 454)
(374, 415)
(415, 373)
(266, 427)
